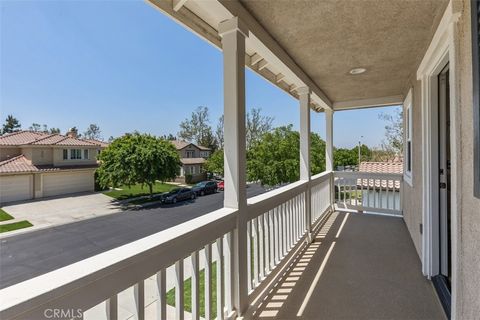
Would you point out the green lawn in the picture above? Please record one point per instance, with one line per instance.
(5, 216)
(187, 297)
(15, 226)
(137, 190)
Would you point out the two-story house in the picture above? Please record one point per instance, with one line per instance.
(37, 164)
(192, 156)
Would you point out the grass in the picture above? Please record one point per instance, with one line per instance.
(15, 226)
(187, 297)
(137, 190)
(5, 216)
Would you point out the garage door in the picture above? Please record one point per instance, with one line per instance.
(15, 188)
(67, 182)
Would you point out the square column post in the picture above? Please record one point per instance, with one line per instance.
(329, 153)
(233, 33)
(305, 174)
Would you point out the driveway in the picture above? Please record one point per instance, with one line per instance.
(34, 253)
(55, 211)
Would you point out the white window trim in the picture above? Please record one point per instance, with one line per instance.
(407, 108)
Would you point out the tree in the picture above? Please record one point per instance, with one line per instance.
(256, 126)
(214, 164)
(138, 158)
(274, 159)
(345, 157)
(219, 132)
(11, 125)
(169, 137)
(54, 130)
(93, 132)
(208, 140)
(393, 131)
(35, 127)
(195, 128)
(317, 153)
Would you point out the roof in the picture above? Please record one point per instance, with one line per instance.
(395, 167)
(192, 160)
(17, 164)
(20, 164)
(181, 144)
(25, 138)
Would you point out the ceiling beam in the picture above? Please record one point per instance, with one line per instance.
(178, 4)
(368, 103)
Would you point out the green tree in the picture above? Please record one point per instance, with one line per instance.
(35, 127)
(11, 125)
(138, 158)
(193, 129)
(54, 130)
(214, 164)
(93, 132)
(317, 153)
(345, 157)
(256, 126)
(274, 159)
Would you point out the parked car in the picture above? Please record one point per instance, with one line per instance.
(178, 194)
(221, 185)
(205, 187)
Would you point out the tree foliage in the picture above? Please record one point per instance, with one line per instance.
(137, 158)
(93, 132)
(11, 125)
(256, 126)
(214, 164)
(393, 131)
(195, 128)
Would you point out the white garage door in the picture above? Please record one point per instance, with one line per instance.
(67, 182)
(15, 188)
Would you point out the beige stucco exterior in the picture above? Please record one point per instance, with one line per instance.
(7, 153)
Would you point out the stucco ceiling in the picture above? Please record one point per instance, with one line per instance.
(327, 38)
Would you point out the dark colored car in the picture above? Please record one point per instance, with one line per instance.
(178, 194)
(205, 187)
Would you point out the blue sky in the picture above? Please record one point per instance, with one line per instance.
(125, 66)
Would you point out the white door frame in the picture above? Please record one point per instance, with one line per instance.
(440, 52)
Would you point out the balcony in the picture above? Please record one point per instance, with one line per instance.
(297, 257)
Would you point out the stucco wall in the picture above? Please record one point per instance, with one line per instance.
(412, 206)
(58, 157)
(468, 232)
(7, 153)
(41, 156)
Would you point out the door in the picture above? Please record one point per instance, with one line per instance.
(443, 280)
(16, 188)
(67, 182)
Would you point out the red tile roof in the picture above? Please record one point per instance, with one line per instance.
(180, 144)
(17, 164)
(380, 167)
(22, 138)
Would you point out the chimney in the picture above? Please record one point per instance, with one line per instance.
(72, 132)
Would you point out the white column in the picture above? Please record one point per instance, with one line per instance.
(305, 174)
(329, 152)
(233, 33)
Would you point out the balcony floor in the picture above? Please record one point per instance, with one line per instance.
(367, 269)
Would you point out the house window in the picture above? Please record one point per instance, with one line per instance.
(75, 154)
(190, 154)
(476, 95)
(85, 154)
(65, 154)
(408, 158)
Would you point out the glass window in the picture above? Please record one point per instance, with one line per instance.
(85, 154)
(65, 154)
(75, 154)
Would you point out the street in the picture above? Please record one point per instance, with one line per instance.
(31, 254)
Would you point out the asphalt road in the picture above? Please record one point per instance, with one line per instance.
(31, 254)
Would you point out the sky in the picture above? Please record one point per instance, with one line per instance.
(125, 66)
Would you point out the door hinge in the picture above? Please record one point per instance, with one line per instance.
(421, 228)
(443, 185)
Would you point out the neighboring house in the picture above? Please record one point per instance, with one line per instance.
(192, 157)
(36, 164)
(374, 191)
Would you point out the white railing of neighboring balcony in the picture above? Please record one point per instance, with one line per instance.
(366, 191)
(106, 285)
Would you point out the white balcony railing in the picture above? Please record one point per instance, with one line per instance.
(366, 191)
(132, 281)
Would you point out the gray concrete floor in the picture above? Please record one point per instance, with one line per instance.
(367, 270)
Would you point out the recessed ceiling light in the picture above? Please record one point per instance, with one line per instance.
(357, 71)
